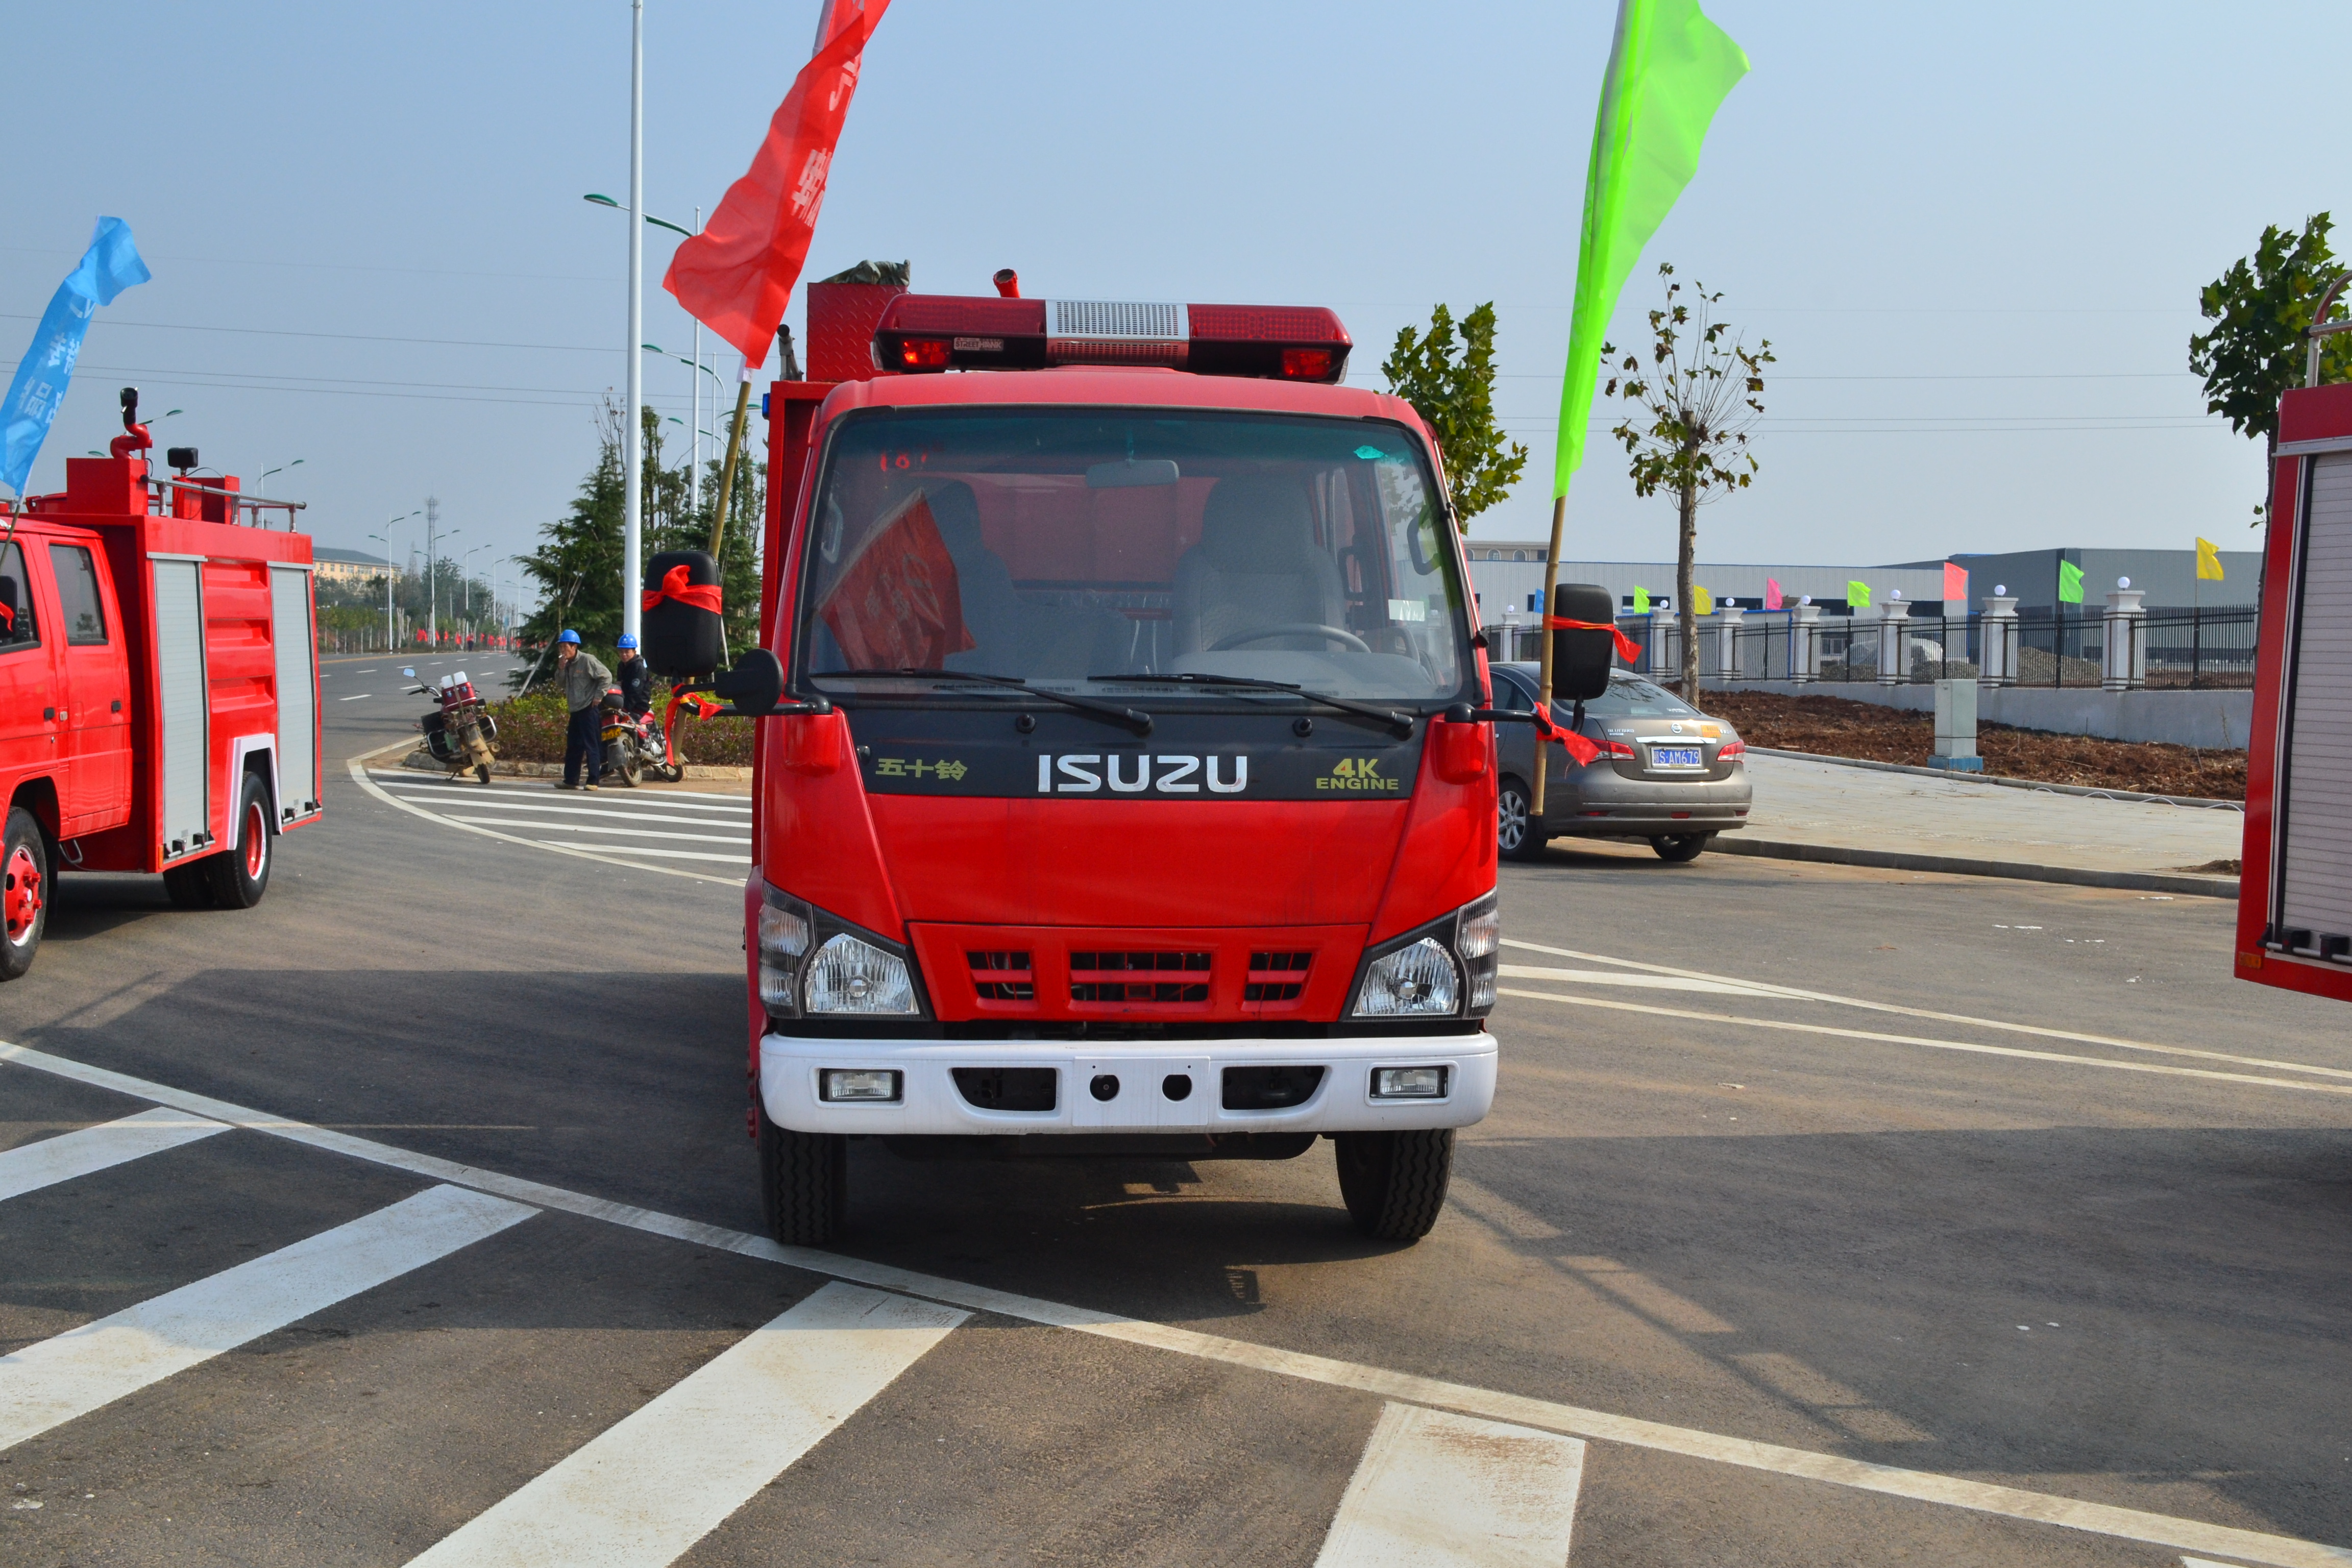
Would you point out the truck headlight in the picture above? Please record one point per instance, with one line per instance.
(1415, 980)
(848, 975)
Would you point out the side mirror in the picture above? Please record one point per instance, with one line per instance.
(754, 684)
(683, 635)
(1581, 660)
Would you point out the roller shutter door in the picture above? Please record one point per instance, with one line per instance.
(186, 704)
(2314, 833)
(297, 703)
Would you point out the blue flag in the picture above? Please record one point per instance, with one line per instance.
(110, 266)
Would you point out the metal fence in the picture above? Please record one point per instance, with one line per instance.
(2184, 648)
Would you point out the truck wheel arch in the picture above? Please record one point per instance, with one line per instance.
(39, 797)
(257, 754)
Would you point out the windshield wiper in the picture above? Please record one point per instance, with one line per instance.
(1396, 722)
(1134, 718)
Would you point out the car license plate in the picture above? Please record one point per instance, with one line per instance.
(1674, 757)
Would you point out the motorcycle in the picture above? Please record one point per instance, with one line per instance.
(634, 744)
(460, 734)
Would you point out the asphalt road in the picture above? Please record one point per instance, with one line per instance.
(1814, 1278)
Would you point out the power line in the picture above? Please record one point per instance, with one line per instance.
(336, 337)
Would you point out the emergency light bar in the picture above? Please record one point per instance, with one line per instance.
(921, 333)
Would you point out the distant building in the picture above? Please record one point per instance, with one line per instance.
(1510, 574)
(349, 568)
(2168, 577)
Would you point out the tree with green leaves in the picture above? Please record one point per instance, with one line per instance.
(2262, 310)
(1451, 384)
(1693, 405)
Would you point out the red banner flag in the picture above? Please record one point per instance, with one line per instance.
(898, 605)
(736, 274)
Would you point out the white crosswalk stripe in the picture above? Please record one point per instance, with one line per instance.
(640, 1494)
(1439, 1491)
(33, 1166)
(77, 1372)
(616, 824)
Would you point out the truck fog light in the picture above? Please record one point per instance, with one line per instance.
(857, 1083)
(783, 942)
(1420, 979)
(1480, 942)
(851, 976)
(1409, 1083)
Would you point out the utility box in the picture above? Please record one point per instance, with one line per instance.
(1956, 728)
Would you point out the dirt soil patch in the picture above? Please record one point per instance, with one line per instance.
(1841, 727)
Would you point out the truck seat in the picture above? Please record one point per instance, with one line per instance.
(1257, 566)
(992, 610)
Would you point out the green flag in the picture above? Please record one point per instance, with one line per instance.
(1669, 70)
(2070, 583)
(1640, 601)
(1857, 595)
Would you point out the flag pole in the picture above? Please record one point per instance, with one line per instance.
(1543, 688)
(633, 479)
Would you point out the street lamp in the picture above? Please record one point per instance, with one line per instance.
(389, 576)
(637, 188)
(262, 484)
(694, 477)
(467, 581)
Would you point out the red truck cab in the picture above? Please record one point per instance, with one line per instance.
(158, 691)
(1130, 795)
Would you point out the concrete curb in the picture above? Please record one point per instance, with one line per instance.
(1967, 865)
(2086, 790)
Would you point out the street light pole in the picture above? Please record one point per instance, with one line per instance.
(262, 484)
(632, 457)
(694, 477)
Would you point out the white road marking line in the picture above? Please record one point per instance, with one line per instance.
(47, 1384)
(740, 859)
(1651, 982)
(685, 798)
(355, 696)
(1438, 1490)
(463, 800)
(625, 832)
(1795, 995)
(2018, 1051)
(643, 1492)
(357, 767)
(549, 798)
(1832, 1470)
(32, 1166)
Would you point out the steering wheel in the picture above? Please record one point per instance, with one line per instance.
(1346, 639)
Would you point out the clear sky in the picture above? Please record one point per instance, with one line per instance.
(1974, 233)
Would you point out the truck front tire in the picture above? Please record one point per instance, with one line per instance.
(1394, 1182)
(804, 1183)
(24, 891)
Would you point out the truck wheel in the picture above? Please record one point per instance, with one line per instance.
(1394, 1182)
(804, 1183)
(24, 892)
(240, 874)
(1678, 848)
(1516, 835)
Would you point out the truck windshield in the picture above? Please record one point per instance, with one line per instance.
(1071, 548)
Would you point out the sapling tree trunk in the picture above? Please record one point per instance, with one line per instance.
(1686, 611)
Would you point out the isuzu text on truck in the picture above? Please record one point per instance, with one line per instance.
(1131, 791)
(159, 707)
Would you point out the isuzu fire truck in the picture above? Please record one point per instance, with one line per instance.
(159, 705)
(2294, 900)
(1132, 790)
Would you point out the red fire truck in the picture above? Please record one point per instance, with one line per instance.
(2295, 902)
(158, 688)
(1132, 790)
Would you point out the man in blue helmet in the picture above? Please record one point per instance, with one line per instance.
(635, 678)
(583, 679)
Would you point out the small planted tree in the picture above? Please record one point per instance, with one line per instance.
(2262, 313)
(1693, 405)
(1451, 384)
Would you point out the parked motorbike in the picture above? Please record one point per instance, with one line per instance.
(634, 745)
(460, 734)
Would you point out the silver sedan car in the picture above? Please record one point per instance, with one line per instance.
(1667, 772)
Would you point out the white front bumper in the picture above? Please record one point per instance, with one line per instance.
(931, 1103)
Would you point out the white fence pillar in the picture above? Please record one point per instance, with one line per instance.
(2124, 666)
(1805, 644)
(1892, 617)
(1997, 643)
(1661, 633)
(1726, 639)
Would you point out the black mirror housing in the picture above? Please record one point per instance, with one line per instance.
(1581, 660)
(754, 685)
(683, 639)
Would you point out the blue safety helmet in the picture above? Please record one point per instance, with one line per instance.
(567, 636)
(628, 640)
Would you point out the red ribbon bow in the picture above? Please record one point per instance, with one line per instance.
(1576, 745)
(1627, 648)
(673, 585)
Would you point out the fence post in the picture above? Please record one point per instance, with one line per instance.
(1805, 644)
(1662, 627)
(2124, 664)
(1892, 617)
(1997, 640)
(1727, 636)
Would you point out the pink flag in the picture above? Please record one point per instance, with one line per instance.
(1771, 593)
(735, 275)
(1956, 585)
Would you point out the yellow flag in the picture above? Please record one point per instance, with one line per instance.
(1702, 602)
(2209, 560)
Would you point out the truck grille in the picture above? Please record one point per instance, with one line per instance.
(1002, 976)
(1276, 977)
(1101, 977)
